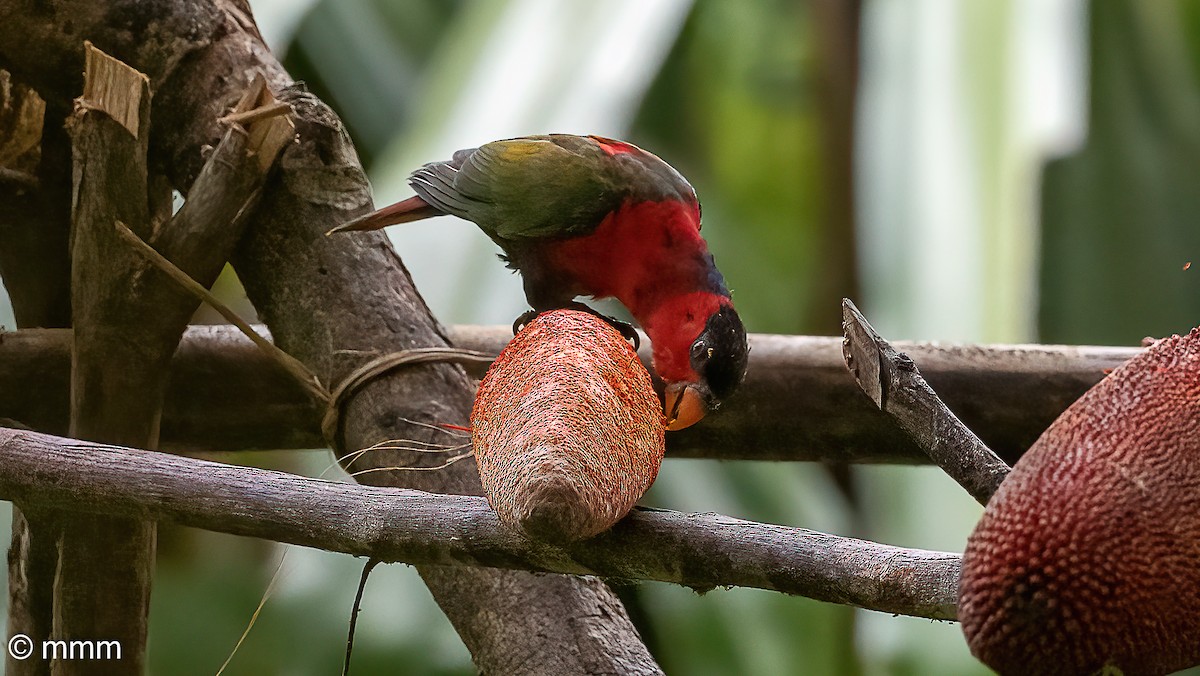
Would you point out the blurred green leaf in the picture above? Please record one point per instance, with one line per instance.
(366, 59)
(732, 108)
(1119, 218)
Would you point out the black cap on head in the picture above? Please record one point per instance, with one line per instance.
(720, 355)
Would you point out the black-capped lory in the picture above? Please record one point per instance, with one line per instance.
(590, 216)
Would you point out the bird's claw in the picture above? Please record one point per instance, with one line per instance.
(526, 317)
(624, 328)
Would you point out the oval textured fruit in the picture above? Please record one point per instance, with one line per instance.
(1089, 553)
(567, 430)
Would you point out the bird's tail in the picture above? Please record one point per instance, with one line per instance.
(412, 209)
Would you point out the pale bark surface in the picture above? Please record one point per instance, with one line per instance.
(701, 551)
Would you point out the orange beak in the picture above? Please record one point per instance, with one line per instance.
(683, 405)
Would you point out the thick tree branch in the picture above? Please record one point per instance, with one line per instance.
(701, 551)
(32, 563)
(894, 384)
(225, 396)
(799, 402)
(335, 303)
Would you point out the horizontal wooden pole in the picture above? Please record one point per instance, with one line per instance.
(223, 393)
(798, 402)
(702, 551)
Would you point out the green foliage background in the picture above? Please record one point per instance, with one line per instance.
(1119, 217)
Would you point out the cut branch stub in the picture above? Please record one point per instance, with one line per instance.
(568, 432)
(892, 381)
(1087, 555)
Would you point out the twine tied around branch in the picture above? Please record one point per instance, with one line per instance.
(334, 401)
(363, 375)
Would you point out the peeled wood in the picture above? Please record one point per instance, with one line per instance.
(567, 430)
(702, 551)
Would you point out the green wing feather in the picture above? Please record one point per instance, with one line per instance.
(525, 188)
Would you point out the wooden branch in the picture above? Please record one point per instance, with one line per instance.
(702, 551)
(335, 304)
(105, 563)
(35, 218)
(22, 113)
(201, 236)
(32, 562)
(894, 384)
(216, 375)
(32, 565)
(836, 44)
(110, 186)
(799, 402)
(261, 113)
(225, 396)
(805, 405)
(130, 321)
(20, 180)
